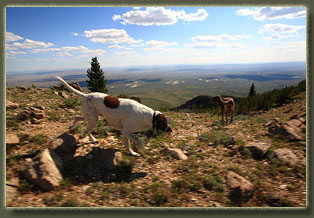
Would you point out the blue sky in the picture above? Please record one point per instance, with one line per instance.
(46, 38)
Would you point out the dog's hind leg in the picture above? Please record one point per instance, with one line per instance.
(92, 122)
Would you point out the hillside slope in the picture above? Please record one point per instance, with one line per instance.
(217, 155)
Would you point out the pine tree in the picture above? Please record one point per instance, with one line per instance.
(97, 81)
(252, 91)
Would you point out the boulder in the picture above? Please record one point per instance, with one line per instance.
(11, 105)
(258, 149)
(286, 156)
(241, 190)
(12, 139)
(174, 152)
(44, 169)
(283, 131)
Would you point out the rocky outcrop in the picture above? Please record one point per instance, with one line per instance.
(35, 114)
(290, 130)
(75, 85)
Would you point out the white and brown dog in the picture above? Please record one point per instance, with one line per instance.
(126, 115)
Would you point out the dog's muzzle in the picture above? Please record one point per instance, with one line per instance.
(168, 129)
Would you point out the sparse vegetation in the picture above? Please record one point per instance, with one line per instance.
(156, 179)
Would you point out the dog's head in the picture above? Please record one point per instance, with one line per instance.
(160, 122)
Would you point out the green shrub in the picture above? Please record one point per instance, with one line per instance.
(213, 182)
(71, 103)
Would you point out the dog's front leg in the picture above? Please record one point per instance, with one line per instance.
(76, 120)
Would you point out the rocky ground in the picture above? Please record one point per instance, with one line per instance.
(259, 160)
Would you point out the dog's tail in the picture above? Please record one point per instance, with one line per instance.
(77, 92)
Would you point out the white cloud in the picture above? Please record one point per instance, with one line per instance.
(116, 46)
(278, 36)
(70, 51)
(154, 45)
(109, 36)
(28, 44)
(16, 52)
(290, 45)
(12, 54)
(11, 37)
(74, 34)
(159, 16)
(200, 15)
(124, 53)
(215, 45)
(280, 28)
(215, 41)
(116, 17)
(221, 37)
(151, 16)
(273, 13)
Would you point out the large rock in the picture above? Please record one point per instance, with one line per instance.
(258, 149)
(12, 139)
(284, 131)
(241, 190)
(44, 169)
(286, 156)
(175, 152)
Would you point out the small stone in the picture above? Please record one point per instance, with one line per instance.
(11, 105)
(283, 187)
(35, 121)
(12, 139)
(63, 95)
(175, 152)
